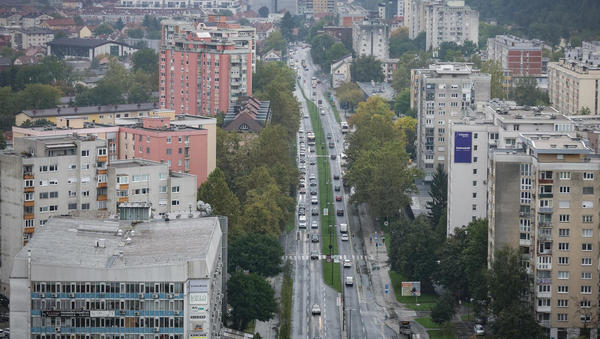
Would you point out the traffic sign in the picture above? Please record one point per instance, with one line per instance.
(325, 211)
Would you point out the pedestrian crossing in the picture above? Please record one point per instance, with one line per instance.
(323, 257)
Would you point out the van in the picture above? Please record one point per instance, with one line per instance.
(302, 221)
(343, 228)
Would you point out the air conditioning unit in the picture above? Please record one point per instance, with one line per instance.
(177, 312)
(141, 295)
(136, 313)
(156, 329)
(71, 295)
(155, 296)
(170, 296)
(58, 330)
(42, 295)
(53, 295)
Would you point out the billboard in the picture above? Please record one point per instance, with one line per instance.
(198, 298)
(197, 285)
(462, 147)
(411, 288)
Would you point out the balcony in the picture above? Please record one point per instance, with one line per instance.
(123, 199)
(543, 236)
(101, 171)
(543, 309)
(525, 242)
(29, 230)
(124, 187)
(28, 216)
(28, 189)
(102, 158)
(102, 185)
(28, 175)
(546, 195)
(102, 197)
(543, 266)
(543, 294)
(545, 181)
(545, 223)
(544, 323)
(545, 210)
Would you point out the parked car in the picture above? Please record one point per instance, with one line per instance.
(479, 330)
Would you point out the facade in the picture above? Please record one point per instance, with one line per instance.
(441, 93)
(316, 8)
(76, 48)
(232, 5)
(340, 71)
(158, 279)
(523, 58)
(371, 38)
(272, 55)
(551, 183)
(183, 148)
(24, 38)
(133, 184)
(341, 33)
(588, 54)
(414, 17)
(45, 177)
(61, 24)
(203, 70)
(573, 86)
(388, 67)
(450, 21)
(247, 115)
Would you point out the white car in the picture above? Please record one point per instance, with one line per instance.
(314, 224)
(347, 263)
(349, 281)
(316, 309)
(479, 330)
(344, 236)
(314, 200)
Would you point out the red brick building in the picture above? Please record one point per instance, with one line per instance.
(523, 58)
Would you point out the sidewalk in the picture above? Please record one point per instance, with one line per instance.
(270, 329)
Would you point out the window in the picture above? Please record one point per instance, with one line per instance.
(563, 275)
(586, 261)
(586, 275)
(174, 202)
(525, 183)
(163, 176)
(168, 151)
(563, 260)
(43, 195)
(101, 151)
(72, 206)
(588, 176)
(543, 302)
(563, 289)
(85, 193)
(563, 246)
(474, 170)
(102, 178)
(72, 194)
(586, 289)
(474, 207)
(587, 219)
(122, 179)
(175, 189)
(168, 140)
(29, 223)
(563, 232)
(85, 153)
(587, 233)
(525, 197)
(43, 209)
(564, 217)
(85, 180)
(546, 175)
(563, 303)
(586, 247)
(587, 204)
(53, 182)
(72, 166)
(525, 169)
(28, 196)
(85, 206)
(53, 208)
(28, 183)
(44, 168)
(474, 182)
(564, 175)
(147, 150)
(562, 317)
(140, 178)
(585, 303)
(474, 195)
(565, 189)
(53, 194)
(588, 190)
(544, 288)
(180, 139)
(545, 203)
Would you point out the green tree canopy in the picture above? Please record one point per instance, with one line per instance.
(444, 308)
(103, 29)
(135, 33)
(275, 41)
(146, 60)
(251, 297)
(438, 194)
(222, 201)
(366, 69)
(263, 11)
(349, 94)
(255, 253)
(494, 68)
(525, 92)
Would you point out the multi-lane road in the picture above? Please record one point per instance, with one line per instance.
(354, 313)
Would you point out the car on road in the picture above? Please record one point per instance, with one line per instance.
(336, 176)
(314, 224)
(305, 116)
(337, 188)
(312, 177)
(302, 221)
(314, 255)
(316, 309)
(314, 212)
(314, 237)
(313, 191)
(302, 190)
(340, 212)
(302, 161)
(302, 154)
(314, 200)
(333, 157)
(344, 236)
(331, 144)
(338, 198)
(347, 263)
(301, 211)
(322, 112)
(479, 329)
(329, 136)
(312, 161)
(312, 150)
(349, 281)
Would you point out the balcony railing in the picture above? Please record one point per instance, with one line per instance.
(546, 195)
(543, 266)
(543, 309)
(545, 181)
(545, 210)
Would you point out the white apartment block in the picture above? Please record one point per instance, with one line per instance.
(371, 38)
(234, 5)
(450, 21)
(442, 93)
(543, 201)
(573, 86)
(588, 54)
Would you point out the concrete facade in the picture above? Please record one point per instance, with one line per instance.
(573, 86)
(156, 279)
(450, 21)
(340, 71)
(371, 38)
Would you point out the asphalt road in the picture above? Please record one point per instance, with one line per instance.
(362, 316)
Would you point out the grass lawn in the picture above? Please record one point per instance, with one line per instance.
(467, 317)
(439, 334)
(337, 281)
(427, 322)
(425, 301)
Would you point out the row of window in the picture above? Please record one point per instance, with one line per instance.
(107, 287)
(525, 170)
(563, 317)
(564, 246)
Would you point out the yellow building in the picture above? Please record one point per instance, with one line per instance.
(573, 86)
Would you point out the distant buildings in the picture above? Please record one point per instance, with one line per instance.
(107, 278)
(349, 14)
(573, 86)
(340, 71)
(24, 38)
(74, 48)
(272, 55)
(441, 93)
(371, 38)
(316, 8)
(521, 57)
(588, 54)
(205, 68)
(233, 5)
(247, 115)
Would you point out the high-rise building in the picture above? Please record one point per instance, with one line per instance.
(316, 8)
(450, 21)
(543, 202)
(588, 54)
(104, 278)
(439, 94)
(204, 68)
(414, 17)
(371, 38)
(523, 58)
(573, 86)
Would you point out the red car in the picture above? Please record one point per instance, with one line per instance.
(338, 198)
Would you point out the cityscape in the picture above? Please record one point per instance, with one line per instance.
(308, 169)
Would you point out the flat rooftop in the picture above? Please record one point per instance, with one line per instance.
(110, 244)
(556, 143)
(130, 163)
(452, 68)
(509, 111)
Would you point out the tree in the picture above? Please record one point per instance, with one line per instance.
(400, 43)
(525, 92)
(584, 111)
(438, 194)
(255, 253)
(349, 94)
(222, 201)
(78, 20)
(407, 62)
(408, 126)
(135, 33)
(444, 309)
(251, 297)
(103, 29)
(366, 68)
(402, 103)
(244, 22)
(38, 96)
(287, 25)
(275, 41)
(263, 12)
(494, 68)
(146, 60)
(320, 45)
(262, 213)
(119, 24)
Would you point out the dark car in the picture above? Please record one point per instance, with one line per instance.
(331, 145)
(333, 157)
(315, 237)
(315, 211)
(301, 211)
(302, 190)
(336, 176)
(337, 188)
(313, 191)
(340, 212)
(314, 255)
(329, 136)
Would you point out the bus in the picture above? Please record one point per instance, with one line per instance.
(345, 127)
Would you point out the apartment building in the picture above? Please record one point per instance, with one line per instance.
(183, 148)
(573, 86)
(588, 54)
(551, 182)
(139, 189)
(109, 279)
(24, 38)
(442, 93)
(233, 5)
(450, 21)
(371, 38)
(203, 70)
(494, 125)
(414, 17)
(522, 57)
